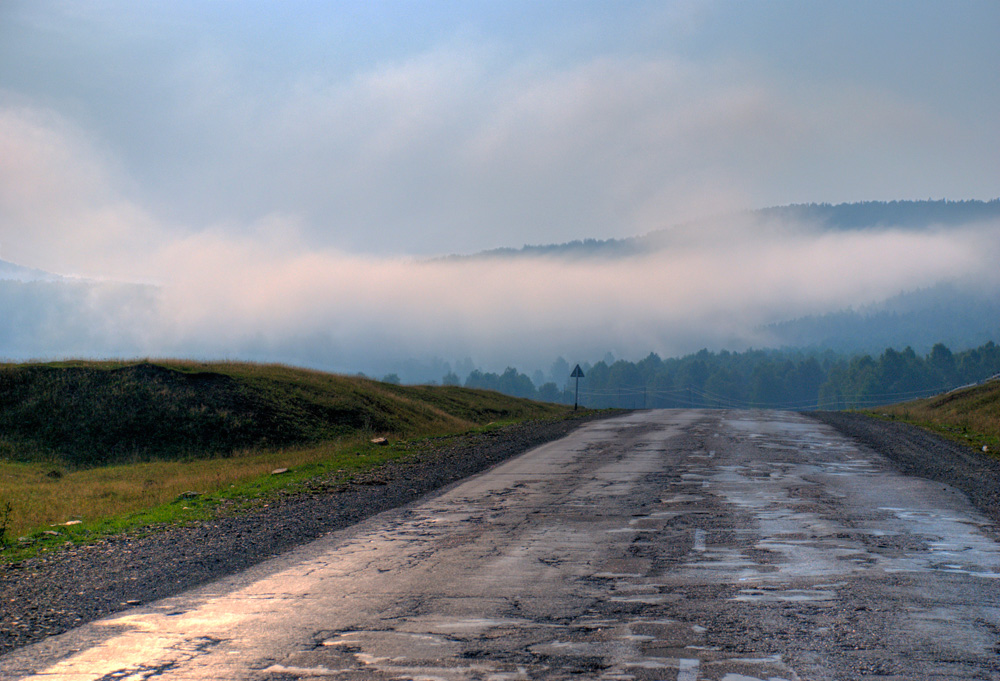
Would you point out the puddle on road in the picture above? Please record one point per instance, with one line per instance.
(682, 499)
(464, 627)
(379, 647)
(784, 595)
(810, 544)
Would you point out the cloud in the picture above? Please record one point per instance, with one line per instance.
(268, 289)
(431, 130)
(262, 292)
(470, 155)
(459, 147)
(60, 202)
(224, 297)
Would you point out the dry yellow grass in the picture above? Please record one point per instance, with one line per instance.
(40, 501)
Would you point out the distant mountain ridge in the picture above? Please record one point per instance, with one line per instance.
(874, 214)
(944, 313)
(911, 215)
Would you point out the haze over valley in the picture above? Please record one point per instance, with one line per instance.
(731, 284)
(486, 187)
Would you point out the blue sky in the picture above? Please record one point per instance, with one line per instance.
(158, 141)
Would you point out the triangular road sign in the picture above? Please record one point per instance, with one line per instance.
(577, 372)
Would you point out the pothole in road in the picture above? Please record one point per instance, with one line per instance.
(378, 647)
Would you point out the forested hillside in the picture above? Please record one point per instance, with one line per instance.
(769, 379)
(840, 358)
(868, 214)
(945, 313)
(909, 215)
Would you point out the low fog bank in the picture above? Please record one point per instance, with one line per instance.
(959, 317)
(265, 282)
(272, 299)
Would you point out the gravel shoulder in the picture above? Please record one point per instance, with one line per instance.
(50, 594)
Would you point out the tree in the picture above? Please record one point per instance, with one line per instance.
(517, 384)
(549, 392)
(559, 372)
(488, 381)
(765, 386)
(943, 362)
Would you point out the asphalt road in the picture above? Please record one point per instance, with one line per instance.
(662, 545)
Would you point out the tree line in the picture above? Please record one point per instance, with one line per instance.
(766, 379)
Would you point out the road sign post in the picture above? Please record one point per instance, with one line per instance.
(577, 374)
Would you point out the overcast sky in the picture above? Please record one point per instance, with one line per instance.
(429, 127)
(137, 138)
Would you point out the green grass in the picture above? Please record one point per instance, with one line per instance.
(970, 416)
(115, 445)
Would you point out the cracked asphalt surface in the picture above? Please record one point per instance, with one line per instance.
(683, 545)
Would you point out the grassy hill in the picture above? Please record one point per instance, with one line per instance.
(88, 449)
(99, 413)
(968, 415)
